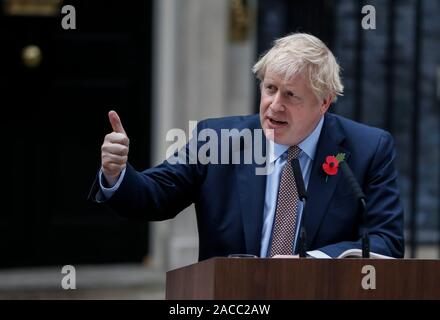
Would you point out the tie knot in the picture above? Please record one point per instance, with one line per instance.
(293, 153)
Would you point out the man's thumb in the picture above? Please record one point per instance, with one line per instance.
(116, 122)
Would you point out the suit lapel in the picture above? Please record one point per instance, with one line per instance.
(252, 188)
(321, 190)
(251, 195)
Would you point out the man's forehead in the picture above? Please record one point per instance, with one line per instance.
(283, 78)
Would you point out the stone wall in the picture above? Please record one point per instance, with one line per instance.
(199, 73)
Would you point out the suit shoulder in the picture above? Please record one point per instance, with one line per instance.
(358, 130)
(360, 136)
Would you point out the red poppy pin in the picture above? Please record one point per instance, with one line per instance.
(331, 164)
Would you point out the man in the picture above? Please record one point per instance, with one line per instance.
(239, 211)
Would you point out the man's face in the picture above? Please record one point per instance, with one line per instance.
(290, 108)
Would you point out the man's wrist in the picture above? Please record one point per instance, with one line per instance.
(109, 183)
(109, 191)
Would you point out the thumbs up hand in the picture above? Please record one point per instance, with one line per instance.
(114, 150)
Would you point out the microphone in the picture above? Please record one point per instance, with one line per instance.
(360, 196)
(302, 194)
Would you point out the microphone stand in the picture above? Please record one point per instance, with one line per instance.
(365, 237)
(361, 198)
(302, 242)
(302, 195)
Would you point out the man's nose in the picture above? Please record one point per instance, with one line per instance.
(277, 103)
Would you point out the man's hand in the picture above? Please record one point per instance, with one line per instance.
(114, 150)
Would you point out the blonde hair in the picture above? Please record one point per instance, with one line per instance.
(298, 53)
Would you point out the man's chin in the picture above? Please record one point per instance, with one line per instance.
(276, 136)
(282, 140)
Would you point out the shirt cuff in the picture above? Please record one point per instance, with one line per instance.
(318, 254)
(108, 192)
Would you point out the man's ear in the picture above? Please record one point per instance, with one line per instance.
(326, 103)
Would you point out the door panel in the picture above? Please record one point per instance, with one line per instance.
(54, 118)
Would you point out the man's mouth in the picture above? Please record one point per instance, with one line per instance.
(277, 122)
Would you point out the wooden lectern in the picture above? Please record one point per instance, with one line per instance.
(255, 278)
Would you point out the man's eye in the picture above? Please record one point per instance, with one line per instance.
(293, 96)
(270, 88)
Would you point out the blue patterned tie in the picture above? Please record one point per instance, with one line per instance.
(284, 229)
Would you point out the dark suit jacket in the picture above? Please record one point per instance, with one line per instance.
(229, 199)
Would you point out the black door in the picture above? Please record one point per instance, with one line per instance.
(53, 120)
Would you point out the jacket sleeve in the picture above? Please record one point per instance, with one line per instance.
(157, 193)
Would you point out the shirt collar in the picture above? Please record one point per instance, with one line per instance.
(308, 145)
